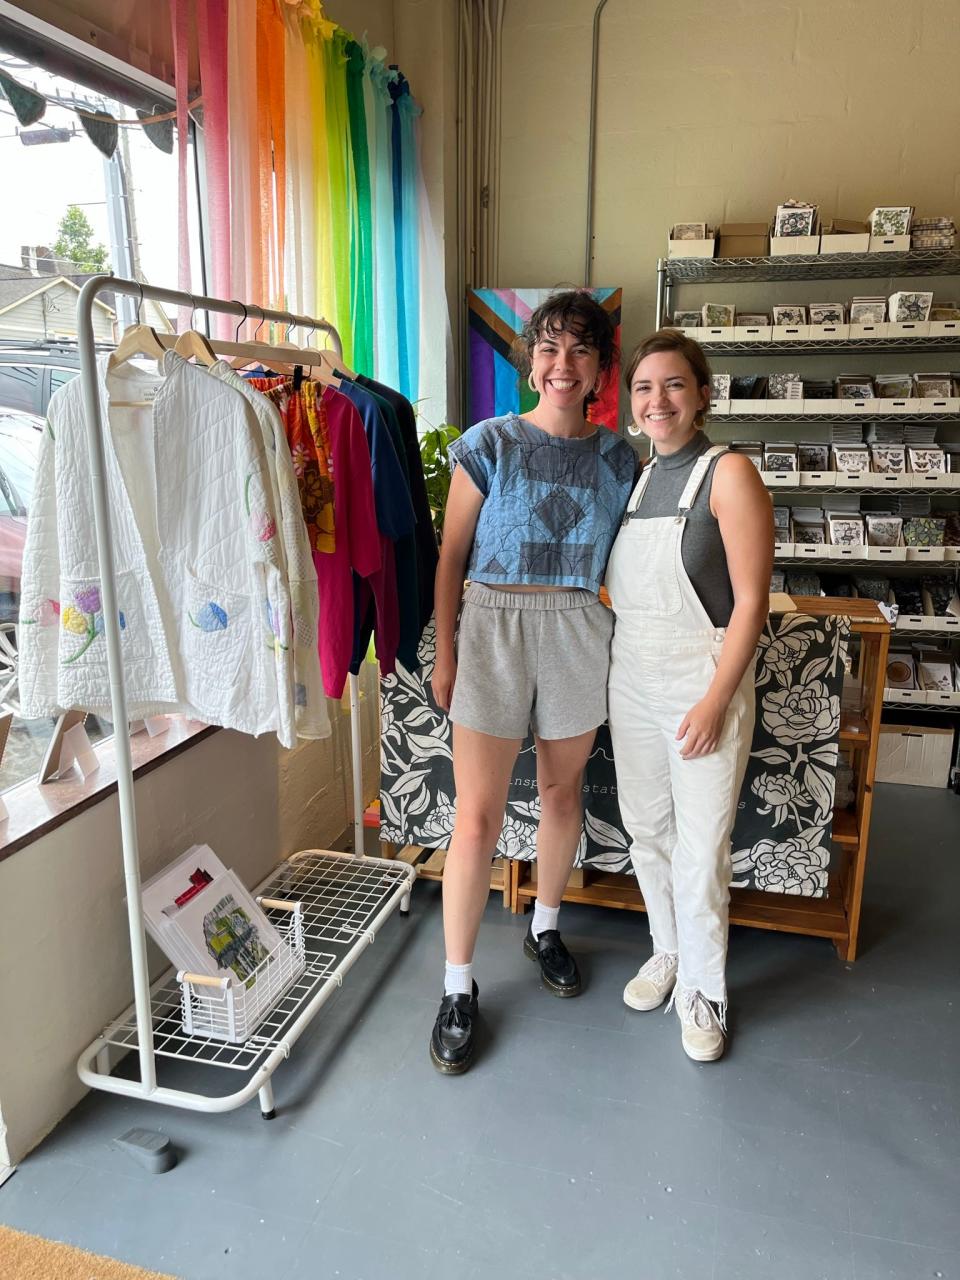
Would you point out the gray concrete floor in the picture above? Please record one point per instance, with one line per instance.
(824, 1146)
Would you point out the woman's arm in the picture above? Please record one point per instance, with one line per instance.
(459, 525)
(745, 513)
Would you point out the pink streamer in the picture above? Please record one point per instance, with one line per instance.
(212, 20)
(180, 19)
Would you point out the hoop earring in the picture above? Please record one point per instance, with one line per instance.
(530, 383)
(634, 430)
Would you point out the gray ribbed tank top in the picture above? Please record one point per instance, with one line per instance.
(702, 549)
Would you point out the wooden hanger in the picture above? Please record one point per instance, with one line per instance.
(191, 344)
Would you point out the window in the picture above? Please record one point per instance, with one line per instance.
(128, 206)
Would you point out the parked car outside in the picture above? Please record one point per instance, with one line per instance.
(31, 373)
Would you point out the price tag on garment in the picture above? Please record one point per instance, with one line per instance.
(77, 749)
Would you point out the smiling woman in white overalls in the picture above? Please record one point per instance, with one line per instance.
(689, 581)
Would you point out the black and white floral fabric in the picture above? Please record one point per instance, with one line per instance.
(783, 824)
(781, 837)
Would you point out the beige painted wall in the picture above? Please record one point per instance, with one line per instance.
(63, 923)
(713, 112)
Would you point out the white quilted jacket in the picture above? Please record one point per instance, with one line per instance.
(205, 608)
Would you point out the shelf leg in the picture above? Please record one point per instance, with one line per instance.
(103, 1061)
(405, 904)
(267, 1105)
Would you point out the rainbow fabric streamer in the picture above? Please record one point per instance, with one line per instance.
(314, 181)
(496, 317)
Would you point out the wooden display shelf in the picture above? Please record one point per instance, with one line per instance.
(429, 864)
(819, 917)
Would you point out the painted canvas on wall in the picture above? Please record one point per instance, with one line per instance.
(496, 317)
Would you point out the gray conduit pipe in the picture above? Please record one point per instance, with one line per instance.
(592, 144)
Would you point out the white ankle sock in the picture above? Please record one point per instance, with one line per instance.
(543, 918)
(457, 979)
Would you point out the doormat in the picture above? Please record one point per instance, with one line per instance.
(25, 1257)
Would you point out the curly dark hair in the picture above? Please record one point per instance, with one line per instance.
(574, 311)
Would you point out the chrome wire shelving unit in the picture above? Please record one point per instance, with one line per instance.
(820, 266)
(835, 346)
(339, 901)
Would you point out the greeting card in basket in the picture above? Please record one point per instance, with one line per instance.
(226, 930)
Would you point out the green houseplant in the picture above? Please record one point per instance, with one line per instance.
(436, 469)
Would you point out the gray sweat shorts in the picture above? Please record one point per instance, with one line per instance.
(531, 660)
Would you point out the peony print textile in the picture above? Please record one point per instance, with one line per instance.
(781, 840)
(781, 836)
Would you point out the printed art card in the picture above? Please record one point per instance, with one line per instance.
(226, 930)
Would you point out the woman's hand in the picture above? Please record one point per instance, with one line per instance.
(702, 727)
(442, 681)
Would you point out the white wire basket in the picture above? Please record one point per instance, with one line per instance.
(229, 1009)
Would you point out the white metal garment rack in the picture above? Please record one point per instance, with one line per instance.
(336, 901)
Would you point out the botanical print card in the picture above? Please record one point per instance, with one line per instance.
(718, 314)
(893, 220)
(789, 315)
(906, 307)
(689, 231)
(813, 457)
(826, 312)
(795, 221)
(779, 386)
(720, 386)
(686, 319)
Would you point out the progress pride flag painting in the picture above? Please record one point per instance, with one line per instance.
(496, 317)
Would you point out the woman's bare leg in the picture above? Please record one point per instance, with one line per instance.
(482, 766)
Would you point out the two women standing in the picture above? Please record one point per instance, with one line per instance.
(536, 502)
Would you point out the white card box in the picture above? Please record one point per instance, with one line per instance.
(720, 408)
(793, 246)
(783, 550)
(780, 479)
(893, 406)
(822, 408)
(790, 332)
(751, 408)
(908, 329)
(717, 333)
(858, 331)
(891, 480)
(937, 698)
(780, 408)
(691, 248)
(944, 328)
(870, 405)
(930, 554)
(927, 622)
(856, 551)
(916, 696)
(952, 554)
(934, 404)
(896, 554)
(853, 479)
(810, 550)
(752, 333)
(855, 242)
(829, 332)
(817, 479)
(889, 244)
(689, 330)
(933, 480)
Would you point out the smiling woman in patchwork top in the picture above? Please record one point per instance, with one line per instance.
(535, 501)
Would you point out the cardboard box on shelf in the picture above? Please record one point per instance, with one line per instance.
(914, 755)
(889, 244)
(790, 246)
(845, 235)
(743, 240)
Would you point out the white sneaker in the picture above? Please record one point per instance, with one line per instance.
(653, 983)
(702, 1026)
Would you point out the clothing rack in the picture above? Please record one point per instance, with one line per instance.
(370, 892)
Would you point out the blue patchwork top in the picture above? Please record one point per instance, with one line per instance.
(552, 506)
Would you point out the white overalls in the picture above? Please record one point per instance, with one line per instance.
(678, 813)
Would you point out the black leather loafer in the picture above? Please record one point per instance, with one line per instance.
(452, 1041)
(558, 969)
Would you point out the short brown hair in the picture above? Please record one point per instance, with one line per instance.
(671, 340)
(573, 311)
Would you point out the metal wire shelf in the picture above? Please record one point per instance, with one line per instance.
(882, 566)
(810, 347)
(868, 490)
(343, 900)
(836, 419)
(821, 266)
(914, 707)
